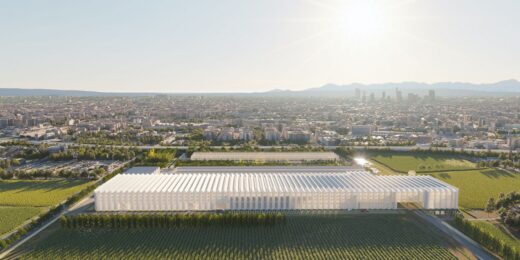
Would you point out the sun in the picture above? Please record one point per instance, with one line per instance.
(362, 19)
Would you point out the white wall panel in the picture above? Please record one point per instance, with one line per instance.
(279, 188)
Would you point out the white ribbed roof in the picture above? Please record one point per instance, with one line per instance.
(265, 156)
(270, 179)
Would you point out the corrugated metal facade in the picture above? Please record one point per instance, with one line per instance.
(273, 188)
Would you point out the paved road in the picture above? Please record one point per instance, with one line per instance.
(464, 240)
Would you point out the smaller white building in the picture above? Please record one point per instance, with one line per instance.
(265, 156)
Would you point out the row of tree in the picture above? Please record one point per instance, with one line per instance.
(376, 142)
(255, 148)
(129, 137)
(259, 163)
(486, 239)
(469, 153)
(31, 152)
(171, 220)
(95, 153)
(7, 163)
(84, 173)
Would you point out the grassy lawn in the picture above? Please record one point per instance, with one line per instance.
(403, 162)
(21, 200)
(387, 236)
(38, 193)
(12, 217)
(477, 186)
(498, 233)
(383, 170)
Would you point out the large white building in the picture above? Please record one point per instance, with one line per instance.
(270, 188)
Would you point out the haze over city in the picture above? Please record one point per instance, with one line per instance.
(237, 46)
(272, 129)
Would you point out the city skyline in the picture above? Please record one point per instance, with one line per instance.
(236, 47)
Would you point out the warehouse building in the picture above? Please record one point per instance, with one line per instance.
(265, 156)
(271, 188)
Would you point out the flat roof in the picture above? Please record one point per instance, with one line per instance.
(264, 156)
(278, 180)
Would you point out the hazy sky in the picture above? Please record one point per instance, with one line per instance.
(240, 45)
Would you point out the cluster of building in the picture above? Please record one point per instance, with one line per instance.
(476, 122)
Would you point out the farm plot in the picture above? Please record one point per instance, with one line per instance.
(477, 186)
(38, 193)
(386, 236)
(403, 163)
(12, 217)
(21, 200)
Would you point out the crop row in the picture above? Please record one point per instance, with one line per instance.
(303, 237)
(170, 220)
(38, 193)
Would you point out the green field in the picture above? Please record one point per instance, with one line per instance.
(12, 217)
(404, 162)
(499, 233)
(21, 200)
(477, 186)
(386, 236)
(38, 193)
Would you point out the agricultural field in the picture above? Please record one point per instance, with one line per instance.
(38, 193)
(404, 162)
(21, 200)
(12, 217)
(384, 236)
(477, 186)
(499, 233)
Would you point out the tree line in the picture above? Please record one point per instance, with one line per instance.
(171, 220)
(260, 163)
(486, 239)
(122, 138)
(83, 173)
(94, 153)
(254, 148)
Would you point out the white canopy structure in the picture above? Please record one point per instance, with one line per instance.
(143, 170)
(264, 156)
(270, 188)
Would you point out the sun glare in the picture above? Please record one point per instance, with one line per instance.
(362, 19)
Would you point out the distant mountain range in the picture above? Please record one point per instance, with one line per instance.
(448, 89)
(507, 87)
